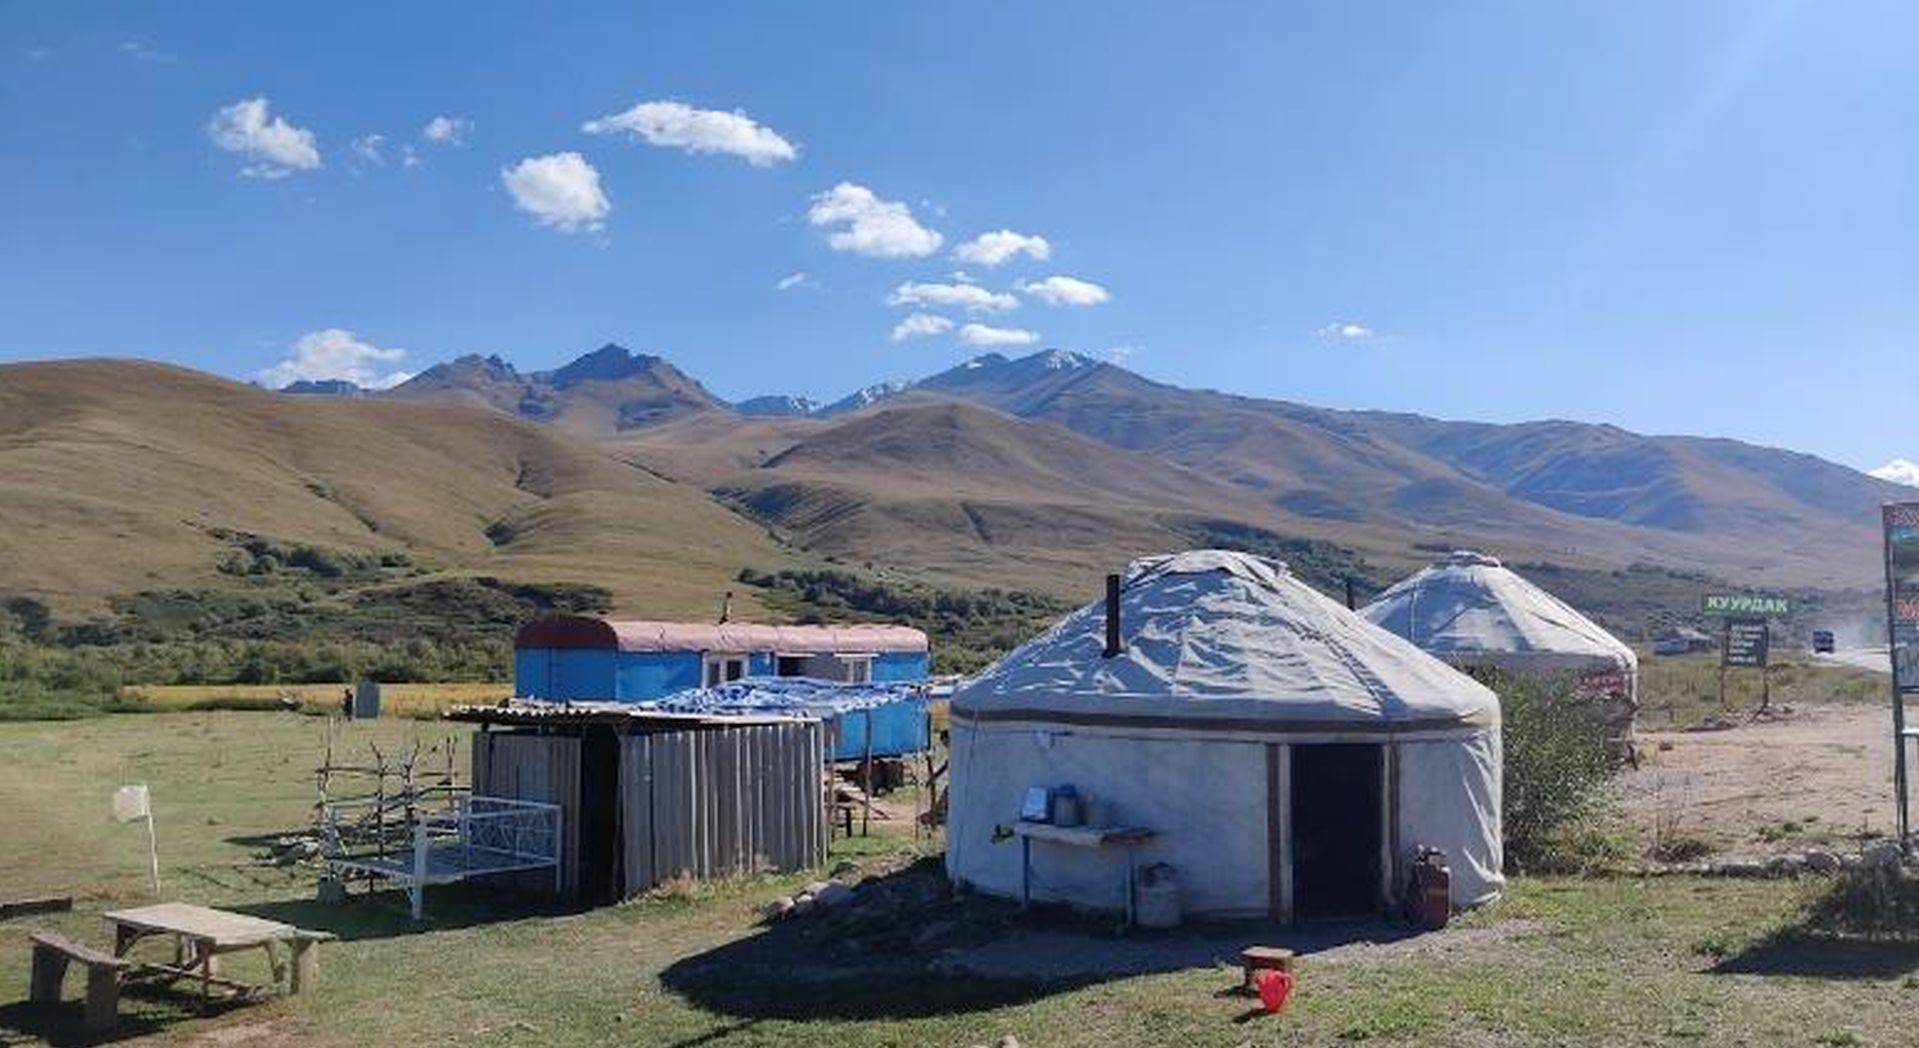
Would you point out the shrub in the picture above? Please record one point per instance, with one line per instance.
(1557, 764)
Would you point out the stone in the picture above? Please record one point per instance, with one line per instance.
(1881, 853)
(1009, 1041)
(779, 909)
(1819, 860)
(845, 869)
(814, 888)
(933, 934)
(833, 894)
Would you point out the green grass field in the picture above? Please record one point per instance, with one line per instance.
(1561, 961)
(1681, 691)
(419, 701)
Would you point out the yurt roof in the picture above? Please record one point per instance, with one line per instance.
(1468, 602)
(1223, 638)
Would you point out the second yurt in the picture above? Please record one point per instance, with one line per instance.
(1472, 611)
(1223, 726)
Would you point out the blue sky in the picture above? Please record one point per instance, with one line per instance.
(1688, 217)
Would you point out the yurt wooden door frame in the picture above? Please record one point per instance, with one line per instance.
(1288, 766)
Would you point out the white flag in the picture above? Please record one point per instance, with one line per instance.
(130, 803)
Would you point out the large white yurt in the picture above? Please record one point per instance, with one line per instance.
(1287, 756)
(1472, 611)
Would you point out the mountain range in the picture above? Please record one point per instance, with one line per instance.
(1036, 472)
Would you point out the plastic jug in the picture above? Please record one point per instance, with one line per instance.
(1273, 986)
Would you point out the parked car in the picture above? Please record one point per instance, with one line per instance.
(1822, 642)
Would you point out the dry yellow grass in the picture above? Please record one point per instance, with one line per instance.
(114, 476)
(396, 700)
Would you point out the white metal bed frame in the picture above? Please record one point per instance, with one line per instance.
(470, 836)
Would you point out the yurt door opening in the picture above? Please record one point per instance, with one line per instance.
(1337, 808)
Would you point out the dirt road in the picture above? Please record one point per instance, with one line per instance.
(1821, 775)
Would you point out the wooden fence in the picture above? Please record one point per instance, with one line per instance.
(716, 802)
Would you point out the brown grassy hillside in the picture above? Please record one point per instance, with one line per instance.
(121, 475)
(961, 492)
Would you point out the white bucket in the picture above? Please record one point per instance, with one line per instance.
(1157, 897)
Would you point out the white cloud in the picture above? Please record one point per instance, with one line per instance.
(793, 280)
(561, 190)
(1121, 354)
(918, 325)
(1345, 329)
(447, 130)
(136, 50)
(970, 297)
(409, 157)
(676, 124)
(276, 147)
(871, 226)
(335, 353)
(370, 148)
(983, 335)
(1066, 291)
(991, 249)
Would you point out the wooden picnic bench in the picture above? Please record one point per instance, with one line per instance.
(201, 935)
(53, 953)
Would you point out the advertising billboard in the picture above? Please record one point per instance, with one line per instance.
(1902, 592)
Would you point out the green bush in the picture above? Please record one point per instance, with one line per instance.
(1557, 764)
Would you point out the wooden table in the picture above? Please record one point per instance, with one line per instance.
(1125, 838)
(201, 934)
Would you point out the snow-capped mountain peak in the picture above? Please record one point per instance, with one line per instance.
(1899, 471)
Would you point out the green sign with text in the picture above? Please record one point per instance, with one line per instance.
(1747, 605)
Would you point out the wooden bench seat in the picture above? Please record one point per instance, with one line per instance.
(51, 955)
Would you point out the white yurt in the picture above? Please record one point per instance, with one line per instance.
(1472, 611)
(1286, 757)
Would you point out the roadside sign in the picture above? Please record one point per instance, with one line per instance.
(1748, 643)
(1747, 605)
(1902, 592)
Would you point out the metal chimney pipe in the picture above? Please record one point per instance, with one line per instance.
(726, 607)
(1350, 604)
(1112, 616)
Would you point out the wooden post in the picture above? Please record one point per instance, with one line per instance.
(103, 998)
(866, 775)
(49, 971)
(306, 965)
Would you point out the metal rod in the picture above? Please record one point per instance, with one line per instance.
(1898, 697)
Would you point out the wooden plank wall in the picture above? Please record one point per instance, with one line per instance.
(708, 803)
(535, 768)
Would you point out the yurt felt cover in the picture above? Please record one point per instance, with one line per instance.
(1232, 640)
(1470, 604)
(1227, 661)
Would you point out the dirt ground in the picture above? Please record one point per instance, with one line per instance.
(1819, 775)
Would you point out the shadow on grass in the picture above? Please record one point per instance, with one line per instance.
(1796, 952)
(385, 914)
(906, 948)
(1861, 924)
(147, 1007)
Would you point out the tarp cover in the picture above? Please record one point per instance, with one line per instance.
(1215, 635)
(798, 696)
(1471, 604)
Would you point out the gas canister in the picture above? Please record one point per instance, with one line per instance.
(1429, 903)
